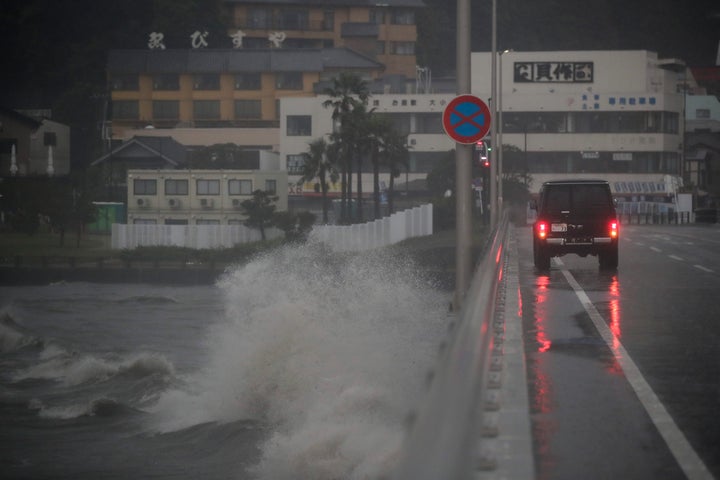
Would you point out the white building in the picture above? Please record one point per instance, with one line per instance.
(611, 114)
(198, 197)
(419, 115)
(617, 115)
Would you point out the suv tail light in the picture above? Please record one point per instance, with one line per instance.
(613, 229)
(542, 230)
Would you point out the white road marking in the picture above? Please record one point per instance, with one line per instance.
(655, 249)
(675, 257)
(681, 449)
(704, 269)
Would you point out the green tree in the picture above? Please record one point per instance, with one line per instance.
(319, 165)
(259, 211)
(295, 225)
(395, 156)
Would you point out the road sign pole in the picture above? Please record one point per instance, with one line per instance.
(463, 165)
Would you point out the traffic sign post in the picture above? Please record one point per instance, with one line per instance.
(466, 119)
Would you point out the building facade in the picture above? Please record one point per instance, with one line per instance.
(611, 114)
(198, 197)
(384, 31)
(419, 116)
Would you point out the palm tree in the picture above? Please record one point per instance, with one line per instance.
(360, 142)
(378, 129)
(347, 93)
(319, 165)
(395, 156)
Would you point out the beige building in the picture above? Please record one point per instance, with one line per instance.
(198, 197)
(384, 31)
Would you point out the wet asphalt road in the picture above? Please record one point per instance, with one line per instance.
(624, 366)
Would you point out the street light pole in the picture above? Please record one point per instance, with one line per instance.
(499, 145)
(494, 204)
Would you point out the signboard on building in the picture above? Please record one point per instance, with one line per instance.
(554, 72)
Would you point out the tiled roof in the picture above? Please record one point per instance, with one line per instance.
(236, 60)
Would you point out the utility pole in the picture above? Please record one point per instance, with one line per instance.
(463, 163)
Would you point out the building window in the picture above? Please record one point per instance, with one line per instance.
(239, 187)
(289, 81)
(329, 20)
(296, 163)
(166, 81)
(259, 18)
(403, 48)
(403, 17)
(271, 186)
(166, 109)
(248, 81)
(144, 187)
(144, 221)
(208, 187)
(248, 109)
(126, 110)
(206, 81)
(293, 19)
(206, 109)
(299, 125)
(125, 82)
(202, 221)
(176, 187)
(380, 47)
(377, 16)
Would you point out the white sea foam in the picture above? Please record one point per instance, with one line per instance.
(72, 370)
(330, 351)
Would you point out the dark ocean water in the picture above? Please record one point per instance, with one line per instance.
(300, 365)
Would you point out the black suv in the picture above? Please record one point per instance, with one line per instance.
(575, 216)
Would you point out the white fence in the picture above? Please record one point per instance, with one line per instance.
(399, 226)
(191, 236)
(415, 222)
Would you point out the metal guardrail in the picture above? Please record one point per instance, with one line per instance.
(444, 439)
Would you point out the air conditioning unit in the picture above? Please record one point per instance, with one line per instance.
(206, 202)
(174, 202)
(143, 202)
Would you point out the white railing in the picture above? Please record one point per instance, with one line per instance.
(399, 226)
(415, 222)
(190, 236)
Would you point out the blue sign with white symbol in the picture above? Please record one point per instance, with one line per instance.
(466, 119)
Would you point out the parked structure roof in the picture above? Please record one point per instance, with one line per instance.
(164, 149)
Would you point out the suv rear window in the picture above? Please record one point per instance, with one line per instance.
(586, 198)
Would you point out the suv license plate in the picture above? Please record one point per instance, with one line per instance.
(558, 227)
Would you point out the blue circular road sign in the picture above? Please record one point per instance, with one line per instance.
(466, 119)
